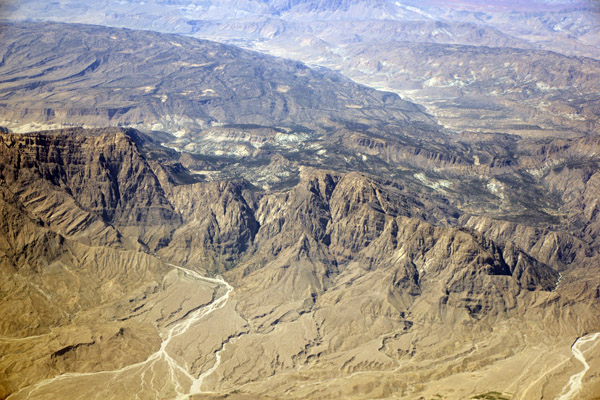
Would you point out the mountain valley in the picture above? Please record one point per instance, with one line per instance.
(186, 219)
(299, 276)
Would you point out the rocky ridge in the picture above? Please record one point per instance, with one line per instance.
(414, 49)
(177, 84)
(364, 253)
(310, 293)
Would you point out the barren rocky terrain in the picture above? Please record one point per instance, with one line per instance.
(207, 222)
(564, 26)
(396, 306)
(525, 68)
(59, 74)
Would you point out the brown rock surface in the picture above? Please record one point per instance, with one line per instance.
(361, 257)
(344, 284)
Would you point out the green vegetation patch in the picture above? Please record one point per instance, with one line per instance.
(491, 396)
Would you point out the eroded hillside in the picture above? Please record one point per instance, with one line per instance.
(338, 277)
(272, 231)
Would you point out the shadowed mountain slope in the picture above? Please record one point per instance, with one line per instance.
(340, 273)
(56, 74)
(272, 231)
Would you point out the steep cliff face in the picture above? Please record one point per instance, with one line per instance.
(219, 225)
(335, 272)
(73, 201)
(297, 243)
(97, 181)
(330, 218)
(297, 236)
(352, 220)
(567, 169)
(80, 212)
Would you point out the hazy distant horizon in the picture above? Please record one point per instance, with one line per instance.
(19, 9)
(508, 5)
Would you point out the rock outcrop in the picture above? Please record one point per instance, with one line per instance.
(336, 271)
(293, 235)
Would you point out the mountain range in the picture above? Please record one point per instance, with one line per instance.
(183, 218)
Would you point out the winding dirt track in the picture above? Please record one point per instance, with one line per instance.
(149, 373)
